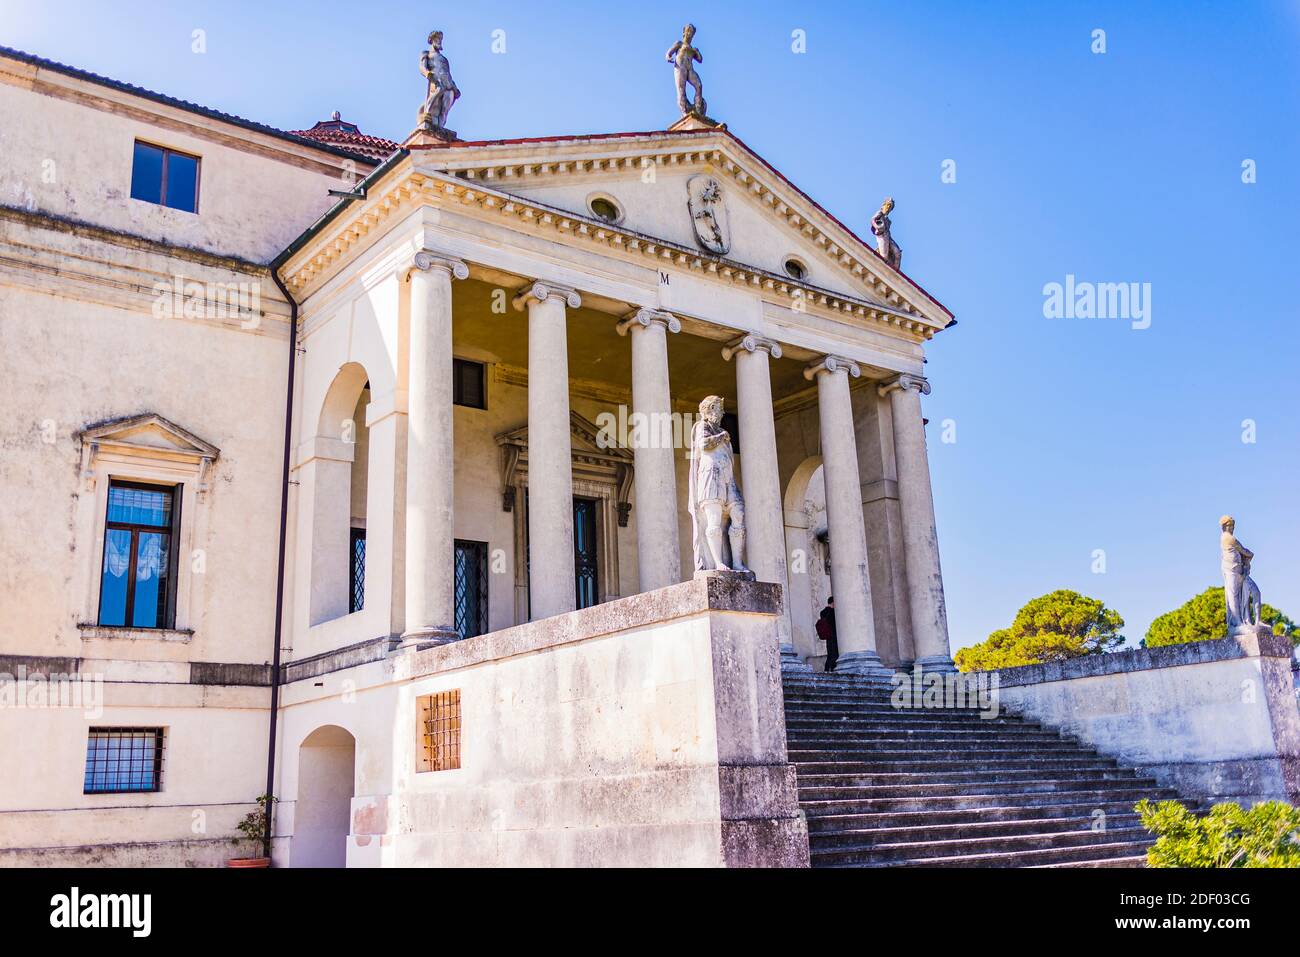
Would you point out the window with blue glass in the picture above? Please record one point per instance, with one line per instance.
(165, 177)
(138, 585)
(123, 760)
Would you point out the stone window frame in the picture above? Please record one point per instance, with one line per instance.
(114, 451)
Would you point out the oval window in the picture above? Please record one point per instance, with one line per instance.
(605, 209)
(795, 269)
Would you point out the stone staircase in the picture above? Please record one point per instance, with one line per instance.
(888, 787)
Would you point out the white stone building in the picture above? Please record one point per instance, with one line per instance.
(453, 344)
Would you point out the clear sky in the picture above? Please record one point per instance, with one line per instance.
(1072, 435)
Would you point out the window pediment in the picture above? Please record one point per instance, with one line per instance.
(148, 439)
(591, 463)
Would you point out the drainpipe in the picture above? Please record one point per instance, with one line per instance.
(279, 571)
(345, 200)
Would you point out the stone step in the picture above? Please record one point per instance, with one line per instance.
(962, 798)
(835, 775)
(902, 724)
(875, 710)
(847, 815)
(879, 762)
(888, 835)
(1011, 844)
(1087, 856)
(1137, 860)
(929, 744)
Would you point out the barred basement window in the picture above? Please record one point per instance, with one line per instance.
(438, 719)
(124, 760)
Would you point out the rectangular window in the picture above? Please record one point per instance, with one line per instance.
(438, 722)
(165, 177)
(471, 588)
(357, 580)
(138, 586)
(468, 387)
(124, 760)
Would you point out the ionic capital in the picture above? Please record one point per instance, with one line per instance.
(752, 343)
(904, 381)
(426, 260)
(645, 318)
(832, 365)
(540, 291)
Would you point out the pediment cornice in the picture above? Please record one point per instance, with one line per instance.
(479, 177)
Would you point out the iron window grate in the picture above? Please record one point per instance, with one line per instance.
(357, 579)
(124, 760)
(439, 722)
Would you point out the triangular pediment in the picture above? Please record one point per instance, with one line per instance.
(584, 435)
(149, 432)
(654, 181)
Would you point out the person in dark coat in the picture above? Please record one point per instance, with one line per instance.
(826, 632)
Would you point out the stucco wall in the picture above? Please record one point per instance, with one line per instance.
(646, 731)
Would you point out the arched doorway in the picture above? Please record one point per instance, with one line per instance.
(323, 809)
(807, 555)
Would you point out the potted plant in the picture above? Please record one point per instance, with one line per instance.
(251, 830)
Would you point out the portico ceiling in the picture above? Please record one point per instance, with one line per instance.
(597, 353)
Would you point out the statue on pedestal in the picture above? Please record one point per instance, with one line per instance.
(717, 510)
(885, 244)
(443, 92)
(683, 56)
(1240, 593)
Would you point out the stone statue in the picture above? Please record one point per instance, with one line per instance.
(885, 244)
(683, 57)
(708, 213)
(1240, 593)
(717, 510)
(443, 92)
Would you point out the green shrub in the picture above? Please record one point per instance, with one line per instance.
(1268, 835)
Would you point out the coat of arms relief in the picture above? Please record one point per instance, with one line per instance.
(708, 214)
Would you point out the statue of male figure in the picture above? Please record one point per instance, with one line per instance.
(1240, 593)
(443, 91)
(885, 245)
(713, 495)
(684, 56)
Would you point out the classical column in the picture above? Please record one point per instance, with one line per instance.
(920, 543)
(850, 583)
(764, 510)
(430, 455)
(551, 587)
(659, 560)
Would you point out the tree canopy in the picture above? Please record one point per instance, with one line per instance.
(1053, 627)
(1205, 617)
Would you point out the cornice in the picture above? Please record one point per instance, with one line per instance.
(406, 192)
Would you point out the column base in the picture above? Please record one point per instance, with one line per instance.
(426, 638)
(865, 663)
(790, 660)
(941, 664)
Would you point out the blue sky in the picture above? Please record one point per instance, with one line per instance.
(1072, 435)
